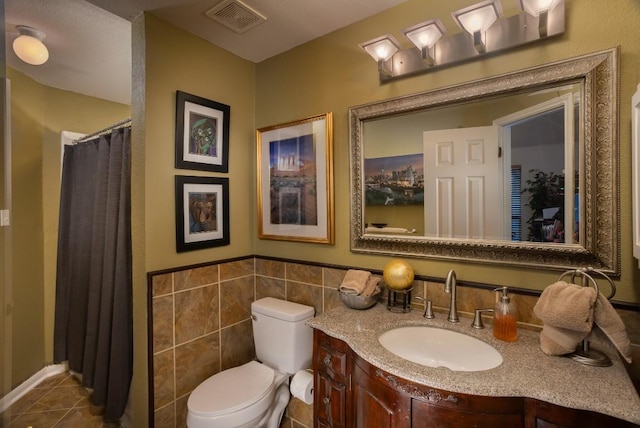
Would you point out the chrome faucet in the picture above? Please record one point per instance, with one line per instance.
(450, 286)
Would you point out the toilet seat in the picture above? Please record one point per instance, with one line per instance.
(231, 390)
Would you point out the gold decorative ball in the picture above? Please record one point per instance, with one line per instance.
(398, 274)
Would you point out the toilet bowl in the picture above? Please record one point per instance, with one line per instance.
(241, 397)
(255, 395)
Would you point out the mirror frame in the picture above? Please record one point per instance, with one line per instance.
(599, 246)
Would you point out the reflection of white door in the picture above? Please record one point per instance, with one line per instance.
(462, 183)
(565, 103)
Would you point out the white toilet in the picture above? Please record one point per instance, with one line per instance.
(256, 394)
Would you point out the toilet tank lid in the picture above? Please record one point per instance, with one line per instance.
(282, 309)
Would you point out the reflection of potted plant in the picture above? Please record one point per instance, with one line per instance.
(545, 190)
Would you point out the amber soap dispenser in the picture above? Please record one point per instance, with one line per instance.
(505, 326)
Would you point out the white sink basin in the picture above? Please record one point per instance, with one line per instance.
(437, 347)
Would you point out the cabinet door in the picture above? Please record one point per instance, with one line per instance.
(330, 402)
(545, 415)
(376, 405)
(332, 356)
(331, 360)
(426, 415)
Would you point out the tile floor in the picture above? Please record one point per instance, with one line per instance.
(58, 401)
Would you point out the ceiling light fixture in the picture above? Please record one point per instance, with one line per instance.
(477, 19)
(381, 49)
(538, 9)
(490, 32)
(29, 47)
(425, 36)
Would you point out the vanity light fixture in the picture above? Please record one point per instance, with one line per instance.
(490, 32)
(382, 49)
(29, 47)
(538, 9)
(477, 19)
(424, 36)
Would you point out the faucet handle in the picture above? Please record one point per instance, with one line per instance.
(477, 318)
(428, 310)
(428, 307)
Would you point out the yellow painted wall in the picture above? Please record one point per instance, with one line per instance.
(328, 74)
(176, 60)
(5, 233)
(167, 59)
(27, 110)
(38, 114)
(332, 73)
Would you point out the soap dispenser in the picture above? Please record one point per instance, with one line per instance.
(504, 317)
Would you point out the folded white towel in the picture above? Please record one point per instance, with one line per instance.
(371, 287)
(355, 281)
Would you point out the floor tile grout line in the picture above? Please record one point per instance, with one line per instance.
(62, 418)
(77, 406)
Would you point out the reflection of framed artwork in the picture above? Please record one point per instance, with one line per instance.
(394, 180)
(202, 212)
(202, 133)
(295, 181)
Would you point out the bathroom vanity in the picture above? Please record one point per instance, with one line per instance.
(358, 383)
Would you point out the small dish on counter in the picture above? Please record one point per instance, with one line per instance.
(356, 301)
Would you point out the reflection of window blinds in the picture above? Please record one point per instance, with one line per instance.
(516, 207)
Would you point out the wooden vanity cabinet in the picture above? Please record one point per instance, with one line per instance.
(469, 411)
(332, 381)
(539, 414)
(350, 392)
(376, 403)
(383, 400)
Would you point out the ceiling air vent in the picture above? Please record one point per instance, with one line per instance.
(236, 15)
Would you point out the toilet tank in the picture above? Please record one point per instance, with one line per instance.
(283, 340)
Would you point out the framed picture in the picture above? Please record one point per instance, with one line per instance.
(202, 133)
(202, 212)
(295, 181)
(394, 180)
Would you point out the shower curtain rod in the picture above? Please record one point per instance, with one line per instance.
(102, 131)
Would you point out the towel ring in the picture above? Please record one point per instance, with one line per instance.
(587, 278)
(584, 354)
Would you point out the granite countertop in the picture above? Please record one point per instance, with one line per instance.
(525, 372)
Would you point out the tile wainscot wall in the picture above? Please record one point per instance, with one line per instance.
(200, 322)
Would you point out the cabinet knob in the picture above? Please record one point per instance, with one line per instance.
(327, 360)
(326, 400)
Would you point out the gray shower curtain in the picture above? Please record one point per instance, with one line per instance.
(93, 316)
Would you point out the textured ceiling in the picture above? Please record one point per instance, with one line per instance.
(89, 48)
(90, 42)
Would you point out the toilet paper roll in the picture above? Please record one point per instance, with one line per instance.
(302, 386)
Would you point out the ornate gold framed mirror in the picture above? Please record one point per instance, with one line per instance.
(515, 169)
